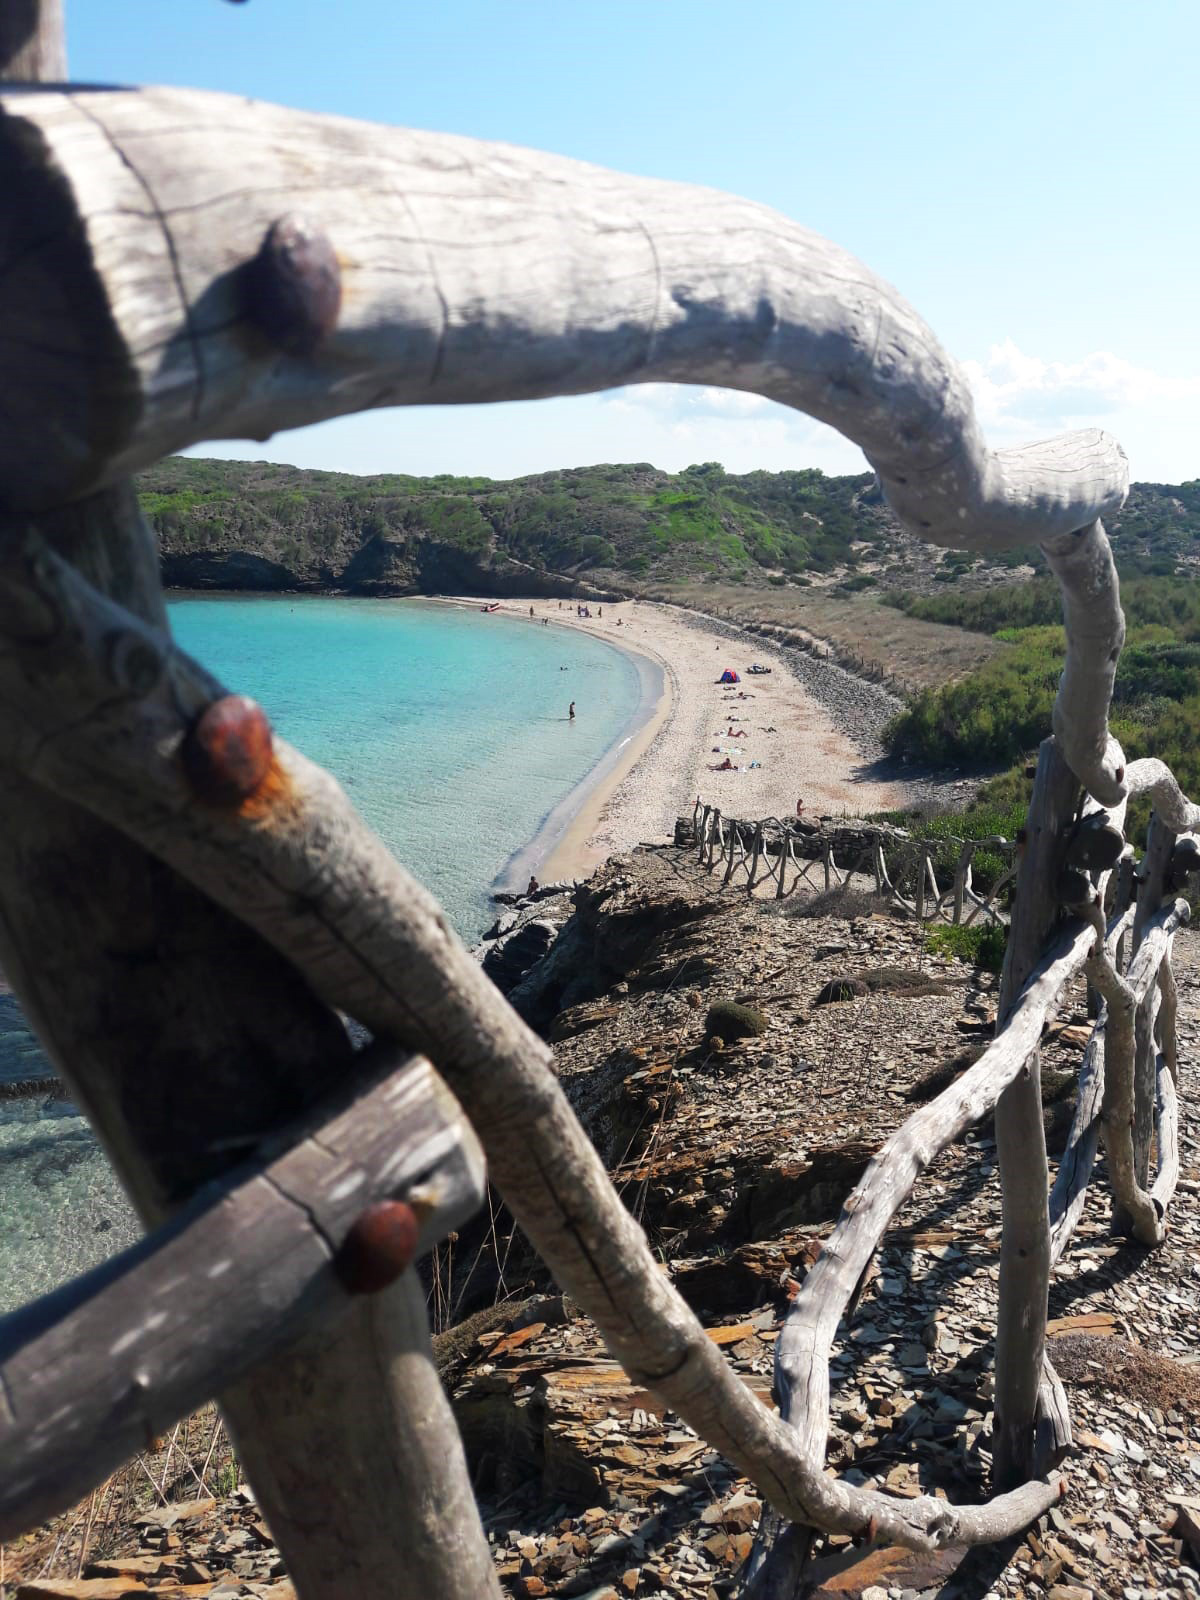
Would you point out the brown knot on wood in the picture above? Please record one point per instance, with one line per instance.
(294, 286)
(227, 753)
(380, 1245)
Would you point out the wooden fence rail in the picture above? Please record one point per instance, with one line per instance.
(90, 1372)
(794, 857)
(186, 903)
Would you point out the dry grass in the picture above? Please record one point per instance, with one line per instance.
(194, 1460)
(919, 654)
(1126, 1370)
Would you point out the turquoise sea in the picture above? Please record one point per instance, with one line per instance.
(449, 730)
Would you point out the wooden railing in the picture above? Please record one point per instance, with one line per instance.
(901, 870)
(187, 905)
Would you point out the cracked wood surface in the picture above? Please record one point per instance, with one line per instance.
(1143, 1210)
(469, 271)
(115, 1357)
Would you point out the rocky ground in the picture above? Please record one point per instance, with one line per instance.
(736, 1157)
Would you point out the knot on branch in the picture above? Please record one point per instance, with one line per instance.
(227, 752)
(294, 286)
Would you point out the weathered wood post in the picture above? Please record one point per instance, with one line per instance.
(960, 877)
(1021, 1139)
(1152, 888)
(755, 856)
(187, 1039)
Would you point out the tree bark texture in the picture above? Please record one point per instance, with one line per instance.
(250, 1265)
(435, 269)
(1021, 1139)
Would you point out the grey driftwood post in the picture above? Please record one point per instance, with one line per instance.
(187, 1039)
(253, 269)
(1021, 1138)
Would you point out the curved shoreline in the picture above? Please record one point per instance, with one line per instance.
(786, 744)
(559, 848)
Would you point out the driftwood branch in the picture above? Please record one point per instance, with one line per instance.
(1123, 996)
(1021, 1138)
(193, 267)
(422, 268)
(89, 1372)
(299, 866)
(1095, 628)
(804, 1344)
(32, 42)
(187, 1039)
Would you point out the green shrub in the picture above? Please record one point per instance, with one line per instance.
(982, 944)
(727, 1020)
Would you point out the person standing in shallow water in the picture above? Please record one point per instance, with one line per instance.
(571, 712)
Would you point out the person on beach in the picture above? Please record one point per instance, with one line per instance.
(571, 712)
(799, 808)
(531, 611)
(534, 885)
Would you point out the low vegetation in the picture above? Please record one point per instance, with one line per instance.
(982, 944)
(257, 524)
(999, 713)
(630, 520)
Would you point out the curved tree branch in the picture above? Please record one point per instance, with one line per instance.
(467, 271)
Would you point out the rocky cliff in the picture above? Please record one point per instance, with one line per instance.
(584, 530)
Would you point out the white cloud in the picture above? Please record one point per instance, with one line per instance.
(1019, 397)
(1012, 388)
(681, 400)
(677, 425)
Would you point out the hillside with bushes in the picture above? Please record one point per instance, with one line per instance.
(257, 525)
(999, 713)
(234, 524)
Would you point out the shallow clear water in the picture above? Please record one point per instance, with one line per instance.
(449, 731)
(447, 728)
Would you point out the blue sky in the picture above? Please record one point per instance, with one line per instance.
(1025, 173)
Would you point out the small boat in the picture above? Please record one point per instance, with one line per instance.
(495, 606)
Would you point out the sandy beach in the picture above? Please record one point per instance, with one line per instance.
(695, 726)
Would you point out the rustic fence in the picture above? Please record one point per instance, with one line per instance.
(750, 854)
(187, 904)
